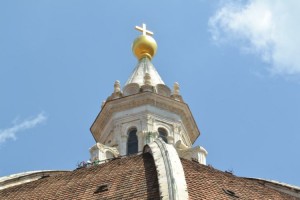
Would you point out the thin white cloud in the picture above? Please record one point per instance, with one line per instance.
(10, 133)
(268, 28)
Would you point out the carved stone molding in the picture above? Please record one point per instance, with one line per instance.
(197, 153)
(171, 178)
(102, 152)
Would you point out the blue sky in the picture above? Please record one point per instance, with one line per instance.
(237, 64)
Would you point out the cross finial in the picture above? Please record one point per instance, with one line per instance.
(144, 30)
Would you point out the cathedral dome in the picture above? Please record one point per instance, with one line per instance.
(144, 150)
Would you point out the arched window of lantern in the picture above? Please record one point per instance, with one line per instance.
(163, 134)
(132, 142)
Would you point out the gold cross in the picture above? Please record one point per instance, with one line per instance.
(144, 30)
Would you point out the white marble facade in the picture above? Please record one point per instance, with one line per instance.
(147, 105)
(147, 120)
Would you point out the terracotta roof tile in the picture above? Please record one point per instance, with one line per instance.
(133, 177)
(207, 183)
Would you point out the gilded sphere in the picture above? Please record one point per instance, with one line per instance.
(143, 46)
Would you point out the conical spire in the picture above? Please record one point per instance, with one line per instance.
(144, 47)
(144, 66)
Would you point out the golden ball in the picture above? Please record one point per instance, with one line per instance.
(143, 46)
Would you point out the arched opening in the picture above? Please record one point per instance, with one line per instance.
(163, 134)
(132, 142)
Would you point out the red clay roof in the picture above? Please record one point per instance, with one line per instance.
(207, 183)
(133, 177)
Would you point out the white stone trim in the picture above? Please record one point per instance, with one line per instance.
(171, 178)
(163, 125)
(196, 153)
(100, 152)
(149, 102)
(26, 177)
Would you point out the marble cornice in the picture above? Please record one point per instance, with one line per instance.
(146, 98)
